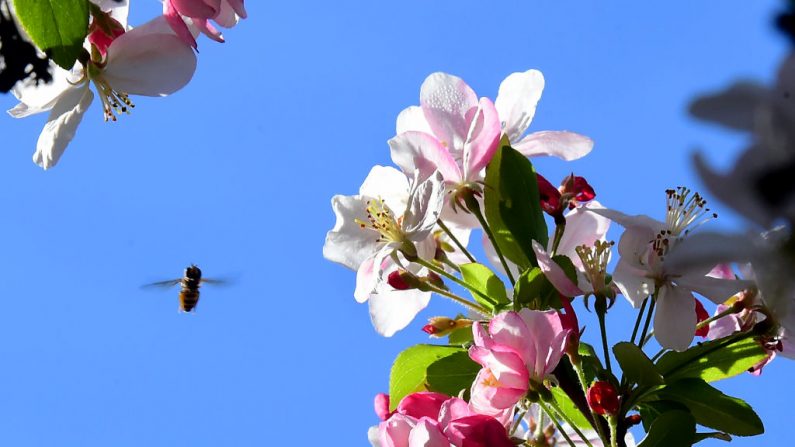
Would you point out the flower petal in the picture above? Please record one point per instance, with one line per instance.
(716, 290)
(348, 243)
(36, 98)
(633, 283)
(733, 107)
(482, 139)
(516, 102)
(556, 143)
(388, 184)
(418, 151)
(427, 434)
(149, 64)
(412, 119)
(426, 200)
(554, 273)
(582, 228)
(446, 101)
(61, 126)
(675, 318)
(393, 310)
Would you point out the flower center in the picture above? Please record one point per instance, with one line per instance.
(684, 208)
(114, 102)
(594, 261)
(381, 219)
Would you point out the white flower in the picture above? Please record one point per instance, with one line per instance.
(148, 60)
(643, 269)
(389, 214)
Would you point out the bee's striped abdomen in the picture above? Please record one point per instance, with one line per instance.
(188, 298)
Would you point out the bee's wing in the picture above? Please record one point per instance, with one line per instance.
(215, 282)
(163, 284)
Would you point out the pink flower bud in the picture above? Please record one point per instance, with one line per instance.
(402, 280)
(478, 431)
(421, 404)
(603, 398)
(381, 404)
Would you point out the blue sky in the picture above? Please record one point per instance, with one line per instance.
(236, 171)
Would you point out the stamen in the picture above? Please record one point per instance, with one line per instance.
(683, 211)
(594, 260)
(113, 102)
(381, 219)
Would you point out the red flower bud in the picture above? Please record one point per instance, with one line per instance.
(603, 398)
(402, 280)
(441, 326)
(550, 196)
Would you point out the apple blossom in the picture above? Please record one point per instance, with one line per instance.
(518, 347)
(642, 269)
(147, 61)
(390, 214)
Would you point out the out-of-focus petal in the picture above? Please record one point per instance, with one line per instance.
(733, 107)
(556, 143)
(516, 102)
(716, 290)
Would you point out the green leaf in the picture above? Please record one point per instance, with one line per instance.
(57, 27)
(649, 411)
(410, 370)
(713, 435)
(452, 374)
(711, 360)
(533, 290)
(713, 409)
(671, 429)
(569, 408)
(483, 280)
(513, 207)
(635, 365)
(460, 336)
(589, 361)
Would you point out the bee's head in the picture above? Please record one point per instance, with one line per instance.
(193, 273)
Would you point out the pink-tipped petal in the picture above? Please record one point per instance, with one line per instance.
(178, 25)
(427, 434)
(446, 101)
(209, 30)
(205, 9)
(422, 404)
(482, 140)
(418, 151)
(562, 144)
(554, 273)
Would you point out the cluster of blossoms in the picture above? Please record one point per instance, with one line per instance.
(462, 166)
(154, 59)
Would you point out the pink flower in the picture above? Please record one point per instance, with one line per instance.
(428, 419)
(516, 348)
(189, 17)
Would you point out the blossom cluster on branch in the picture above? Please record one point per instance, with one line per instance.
(154, 59)
(514, 369)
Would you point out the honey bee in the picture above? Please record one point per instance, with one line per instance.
(189, 283)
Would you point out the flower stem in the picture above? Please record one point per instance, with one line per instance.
(474, 207)
(583, 382)
(613, 421)
(455, 240)
(642, 340)
(557, 424)
(443, 272)
(637, 320)
(563, 416)
(603, 330)
(560, 227)
(460, 300)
